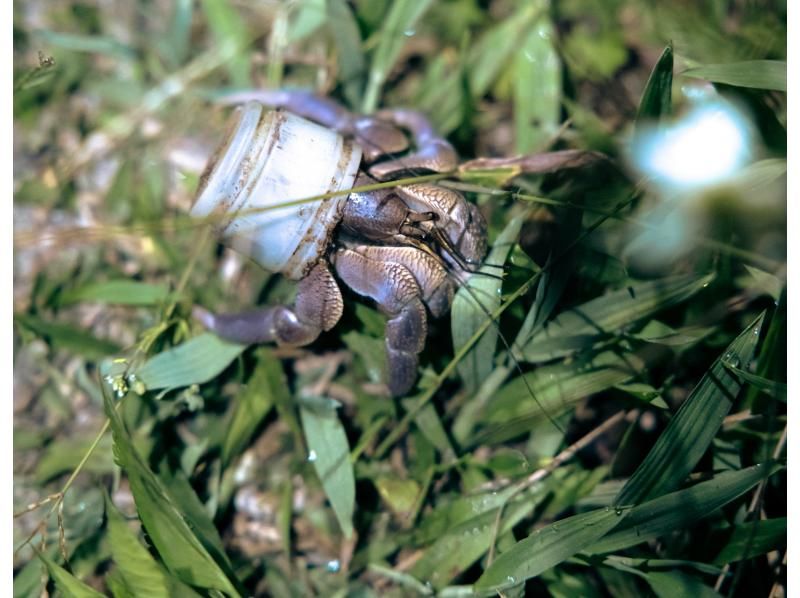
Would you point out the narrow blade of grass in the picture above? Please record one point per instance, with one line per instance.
(694, 426)
(399, 23)
(676, 510)
(757, 74)
(656, 100)
(479, 297)
(572, 329)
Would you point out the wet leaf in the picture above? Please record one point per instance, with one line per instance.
(474, 303)
(659, 333)
(196, 361)
(571, 330)
(329, 453)
(667, 584)
(758, 74)
(675, 511)
(547, 547)
(179, 548)
(694, 426)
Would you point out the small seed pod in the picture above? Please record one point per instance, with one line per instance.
(270, 159)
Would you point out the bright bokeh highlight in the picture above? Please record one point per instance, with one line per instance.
(706, 146)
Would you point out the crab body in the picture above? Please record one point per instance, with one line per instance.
(405, 247)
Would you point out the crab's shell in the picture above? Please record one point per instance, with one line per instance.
(270, 159)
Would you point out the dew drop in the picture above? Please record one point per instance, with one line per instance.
(618, 512)
(312, 456)
(511, 579)
(409, 32)
(333, 566)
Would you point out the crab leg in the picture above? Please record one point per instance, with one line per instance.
(397, 293)
(318, 307)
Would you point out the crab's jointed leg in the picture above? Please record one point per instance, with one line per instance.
(318, 307)
(400, 280)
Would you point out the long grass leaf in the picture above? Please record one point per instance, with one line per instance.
(674, 511)
(694, 426)
(572, 330)
(758, 74)
(179, 548)
(479, 297)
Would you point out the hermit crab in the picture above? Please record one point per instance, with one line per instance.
(406, 247)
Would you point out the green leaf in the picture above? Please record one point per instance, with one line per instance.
(71, 586)
(121, 292)
(555, 388)
(196, 361)
(675, 511)
(400, 21)
(179, 548)
(656, 100)
(776, 390)
(68, 337)
(573, 329)
(659, 333)
(254, 403)
(752, 539)
(349, 55)
(134, 562)
(547, 547)
(473, 304)
(668, 584)
(462, 544)
(329, 452)
(537, 88)
(694, 426)
(230, 32)
(305, 20)
(758, 74)
(64, 454)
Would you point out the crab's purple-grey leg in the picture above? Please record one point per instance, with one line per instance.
(318, 307)
(376, 138)
(395, 290)
(433, 153)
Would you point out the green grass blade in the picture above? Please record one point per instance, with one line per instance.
(757, 74)
(571, 330)
(254, 403)
(349, 54)
(136, 565)
(179, 548)
(329, 452)
(656, 100)
(196, 361)
(471, 306)
(230, 32)
(400, 21)
(537, 89)
(68, 337)
(71, 586)
(694, 426)
(674, 511)
(119, 292)
(547, 547)
(752, 539)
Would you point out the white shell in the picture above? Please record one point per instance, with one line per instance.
(270, 158)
